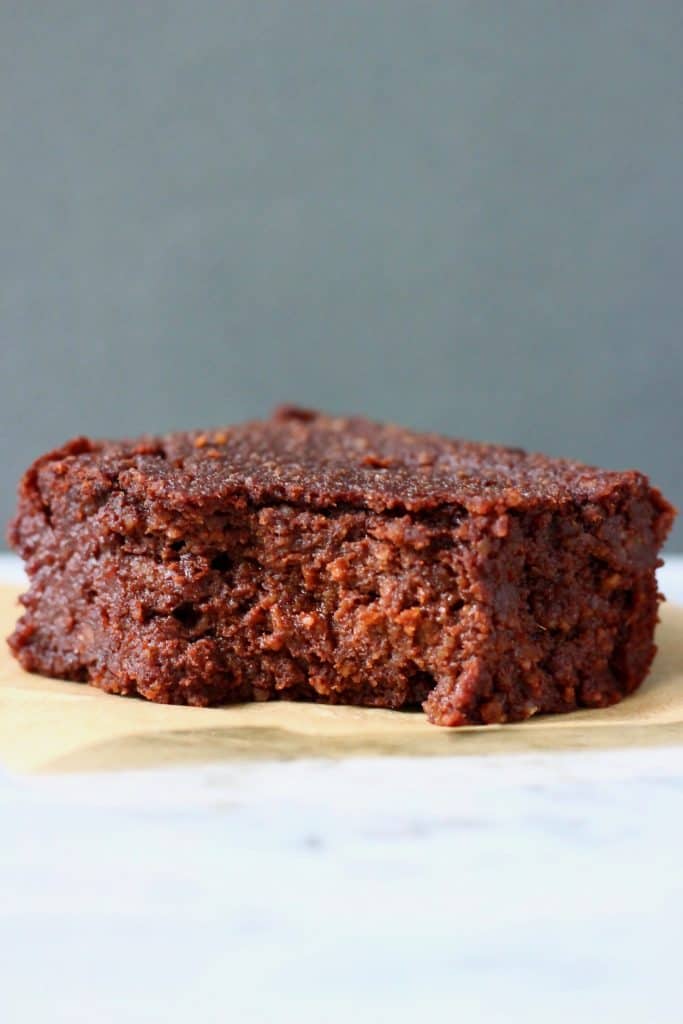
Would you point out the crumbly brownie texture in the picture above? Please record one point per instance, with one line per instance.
(341, 561)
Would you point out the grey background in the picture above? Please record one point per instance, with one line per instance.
(462, 216)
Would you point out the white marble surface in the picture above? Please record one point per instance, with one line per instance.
(526, 888)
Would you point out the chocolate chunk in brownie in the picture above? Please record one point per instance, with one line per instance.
(308, 557)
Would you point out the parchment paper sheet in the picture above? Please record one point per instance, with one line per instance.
(47, 725)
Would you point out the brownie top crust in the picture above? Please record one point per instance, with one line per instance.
(305, 457)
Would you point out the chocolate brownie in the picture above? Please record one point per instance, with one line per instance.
(338, 560)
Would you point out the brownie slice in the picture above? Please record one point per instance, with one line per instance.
(338, 560)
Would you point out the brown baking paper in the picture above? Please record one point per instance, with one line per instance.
(47, 725)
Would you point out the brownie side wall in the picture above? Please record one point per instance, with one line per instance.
(209, 606)
(491, 618)
(572, 602)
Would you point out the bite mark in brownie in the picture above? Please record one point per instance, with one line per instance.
(308, 557)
